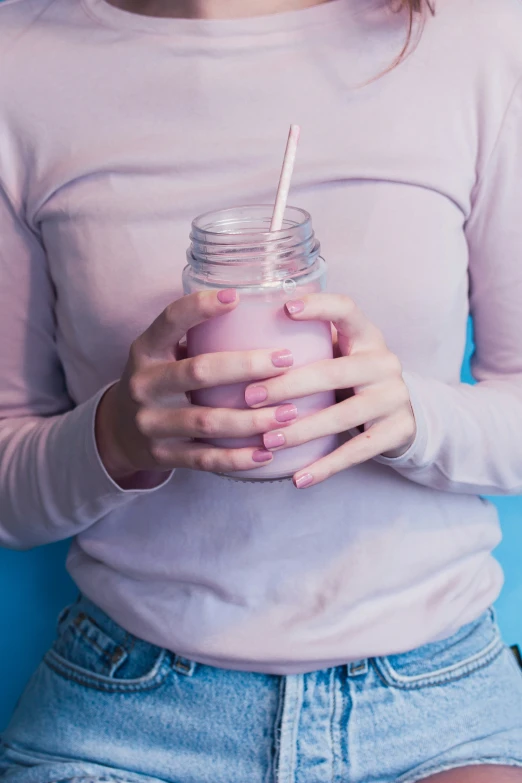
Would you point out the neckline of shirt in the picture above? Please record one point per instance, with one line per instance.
(328, 13)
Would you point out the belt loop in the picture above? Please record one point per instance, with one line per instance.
(358, 668)
(183, 666)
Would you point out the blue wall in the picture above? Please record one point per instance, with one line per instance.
(34, 586)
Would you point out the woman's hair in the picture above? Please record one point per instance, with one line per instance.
(413, 7)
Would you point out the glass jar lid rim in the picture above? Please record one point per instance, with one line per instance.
(196, 223)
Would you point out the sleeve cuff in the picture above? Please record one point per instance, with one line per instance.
(80, 487)
(109, 485)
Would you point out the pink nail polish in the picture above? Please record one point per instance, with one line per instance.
(255, 394)
(274, 440)
(262, 456)
(282, 359)
(227, 295)
(286, 412)
(304, 481)
(295, 306)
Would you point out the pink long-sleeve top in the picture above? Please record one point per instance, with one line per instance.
(115, 131)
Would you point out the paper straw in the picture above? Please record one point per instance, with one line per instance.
(285, 179)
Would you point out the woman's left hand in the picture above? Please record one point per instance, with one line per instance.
(371, 392)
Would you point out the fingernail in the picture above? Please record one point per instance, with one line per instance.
(282, 359)
(286, 413)
(262, 456)
(255, 395)
(274, 440)
(295, 306)
(227, 295)
(304, 481)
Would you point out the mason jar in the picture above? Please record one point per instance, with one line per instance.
(234, 248)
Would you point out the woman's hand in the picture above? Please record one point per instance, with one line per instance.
(368, 379)
(145, 423)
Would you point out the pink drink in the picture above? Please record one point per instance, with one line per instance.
(235, 248)
(256, 323)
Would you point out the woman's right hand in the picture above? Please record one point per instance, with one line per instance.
(145, 424)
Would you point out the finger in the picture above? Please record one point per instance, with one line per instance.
(198, 422)
(179, 316)
(342, 373)
(347, 318)
(212, 459)
(344, 416)
(210, 369)
(383, 436)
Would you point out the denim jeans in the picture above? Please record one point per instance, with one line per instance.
(107, 706)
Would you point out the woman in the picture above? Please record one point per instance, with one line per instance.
(336, 628)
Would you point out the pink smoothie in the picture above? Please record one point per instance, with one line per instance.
(258, 323)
